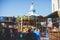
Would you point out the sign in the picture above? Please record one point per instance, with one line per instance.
(43, 24)
(1, 18)
(49, 24)
(49, 20)
(59, 13)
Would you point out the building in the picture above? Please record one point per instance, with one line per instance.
(55, 15)
(32, 19)
(7, 20)
(55, 18)
(55, 5)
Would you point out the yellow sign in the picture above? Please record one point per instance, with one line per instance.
(59, 13)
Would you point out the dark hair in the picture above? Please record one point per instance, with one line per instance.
(29, 30)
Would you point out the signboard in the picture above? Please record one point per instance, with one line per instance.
(59, 13)
(1, 18)
(49, 22)
(43, 24)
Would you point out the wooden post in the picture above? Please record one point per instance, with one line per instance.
(21, 23)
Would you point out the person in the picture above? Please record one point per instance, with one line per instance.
(55, 29)
(12, 34)
(20, 36)
(0, 33)
(16, 33)
(36, 33)
(7, 34)
(3, 31)
(29, 35)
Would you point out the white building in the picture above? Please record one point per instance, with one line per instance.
(55, 5)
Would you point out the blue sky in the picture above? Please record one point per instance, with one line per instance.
(21, 7)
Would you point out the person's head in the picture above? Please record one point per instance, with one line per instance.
(29, 30)
(54, 27)
(11, 30)
(36, 29)
(3, 24)
(10, 26)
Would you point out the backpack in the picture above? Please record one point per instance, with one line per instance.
(20, 35)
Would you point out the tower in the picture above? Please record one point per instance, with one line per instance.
(55, 5)
(59, 4)
(32, 11)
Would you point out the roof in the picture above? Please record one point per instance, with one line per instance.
(53, 15)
